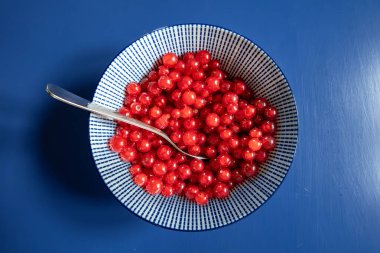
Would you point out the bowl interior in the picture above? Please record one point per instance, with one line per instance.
(240, 58)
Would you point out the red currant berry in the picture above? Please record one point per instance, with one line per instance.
(188, 97)
(269, 142)
(255, 144)
(203, 56)
(128, 154)
(239, 87)
(214, 64)
(179, 186)
(117, 143)
(268, 127)
(261, 156)
(213, 84)
(210, 152)
(221, 190)
(249, 169)
(170, 59)
(255, 133)
(140, 179)
(270, 112)
(201, 198)
(148, 159)
(144, 145)
(212, 120)
(206, 178)
(224, 175)
(135, 170)
(133, 89)
(260, 104)
(155, 112)
(184, 171)
(164, 152)
(171, 178)
(190, 138)
(159, 168)
(248, 155)
(197, 165)
(224, 160)
(191, 191)
(165, 83)
(237, 177)
(154, 186)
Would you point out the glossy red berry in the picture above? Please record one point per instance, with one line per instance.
(133, 89)
(255, 133)
(206, 178)
(270, 113)
(164, 152)
(171, 178)
(128, 154)
(170, 59)
(221, 190)
(185, 83)
(194, 150)
(197, 165)
(201, 198)
(212, 84)
(159, 168)
(224, 160)
(184, 171)
(143, 145)
(249, 111)
(168, 191)
(148, 159)
(203, 56)
(248, 155)
(239, 87)
(191, 191)
(175, 75)
(249, 169)
(155, 112)
(224, 175)
(255, 144)
(135, 169)
(230, 98)
(210, 152)
(154, 186)
(190, 138)
(269, 142)
(268, 127)
(188, 97)
(165, 83)
(214, 64)
(136, 108)
(180, 66)
(260, 104)
(237, 177)
(212, 120)
(117, 143)
(261, 156)
(140, 179)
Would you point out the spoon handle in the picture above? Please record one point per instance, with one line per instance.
(74, 100)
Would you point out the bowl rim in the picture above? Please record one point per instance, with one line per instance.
(296, 111)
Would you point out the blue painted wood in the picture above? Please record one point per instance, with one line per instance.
(52, 199)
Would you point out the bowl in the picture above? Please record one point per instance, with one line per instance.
(240, 57)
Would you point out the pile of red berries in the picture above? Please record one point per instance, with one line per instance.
(204, 113)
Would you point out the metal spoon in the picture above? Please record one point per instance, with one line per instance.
(74, 100)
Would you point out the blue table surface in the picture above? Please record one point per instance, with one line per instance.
(52, 197)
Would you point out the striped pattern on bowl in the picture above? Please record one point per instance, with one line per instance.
(240, 57)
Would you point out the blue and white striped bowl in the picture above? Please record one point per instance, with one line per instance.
(240, 57)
